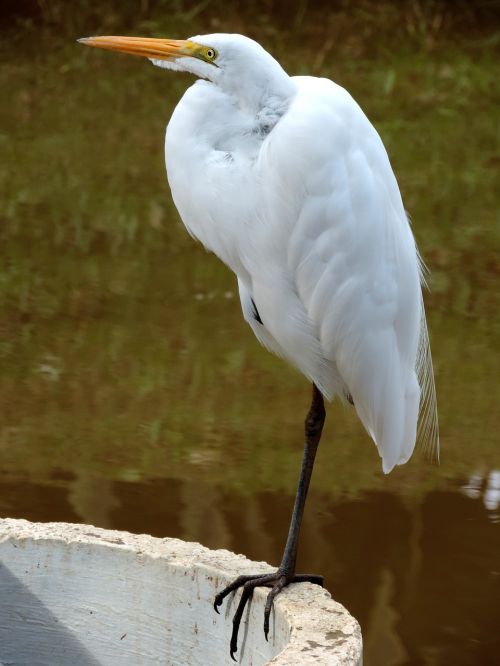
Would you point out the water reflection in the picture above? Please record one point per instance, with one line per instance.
(421, 575)
(488, 488)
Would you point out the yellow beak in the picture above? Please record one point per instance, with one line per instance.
(148, 47)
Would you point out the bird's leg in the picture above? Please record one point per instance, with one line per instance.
(286, 571)
(313, 428)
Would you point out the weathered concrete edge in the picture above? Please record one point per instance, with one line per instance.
(322, 631)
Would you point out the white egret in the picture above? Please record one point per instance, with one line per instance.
(288, 183)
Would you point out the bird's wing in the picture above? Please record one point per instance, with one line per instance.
(334, 212)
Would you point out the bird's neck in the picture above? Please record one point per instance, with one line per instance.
(264, 93)
(274, 96)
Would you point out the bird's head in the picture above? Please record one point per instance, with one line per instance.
(231, 61)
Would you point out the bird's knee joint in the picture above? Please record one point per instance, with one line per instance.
(314, 424)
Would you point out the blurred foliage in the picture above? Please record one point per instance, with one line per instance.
(368, 24)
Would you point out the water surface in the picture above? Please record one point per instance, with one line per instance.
(133, 396)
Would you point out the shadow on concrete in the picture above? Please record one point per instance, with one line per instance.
(30, 634)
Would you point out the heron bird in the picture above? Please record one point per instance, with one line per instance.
(286, 180)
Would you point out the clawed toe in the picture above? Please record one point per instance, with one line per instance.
(239, 582)
(269, 603)
(276, 581)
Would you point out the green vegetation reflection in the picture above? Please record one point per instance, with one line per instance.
(123, 351)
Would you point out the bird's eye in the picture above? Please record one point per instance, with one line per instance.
(210, 54)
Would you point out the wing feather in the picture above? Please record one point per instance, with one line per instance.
(354, 266)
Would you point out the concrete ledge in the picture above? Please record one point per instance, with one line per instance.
(77, 595)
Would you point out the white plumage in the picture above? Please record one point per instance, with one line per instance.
(287, 182)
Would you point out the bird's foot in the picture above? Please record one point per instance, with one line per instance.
(276, 581)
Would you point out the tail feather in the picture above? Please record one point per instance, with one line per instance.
(428, 428)
(385, 395)
(412, 400)
(391, 398)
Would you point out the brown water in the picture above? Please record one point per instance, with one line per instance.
(133, 396)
